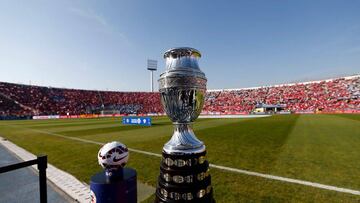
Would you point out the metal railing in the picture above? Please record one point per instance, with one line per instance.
(41, 162)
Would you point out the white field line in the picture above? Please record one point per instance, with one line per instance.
(241, 171)
(289, 180)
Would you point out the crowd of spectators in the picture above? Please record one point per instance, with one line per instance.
(9, 107)
(342, 94)
(36, 100)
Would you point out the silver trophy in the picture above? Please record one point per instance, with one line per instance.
(184, 170)
(182, 87)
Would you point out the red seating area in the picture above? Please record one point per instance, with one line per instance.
(341, 94)
(335, 95)
(57, 101)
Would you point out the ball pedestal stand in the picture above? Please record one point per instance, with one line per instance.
(116, 186)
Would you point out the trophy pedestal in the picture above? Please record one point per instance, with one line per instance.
(184, 177)
(119, 188)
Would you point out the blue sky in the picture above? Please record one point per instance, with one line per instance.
(105, 44)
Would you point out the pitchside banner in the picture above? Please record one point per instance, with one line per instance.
(135, 120)
(46, 117)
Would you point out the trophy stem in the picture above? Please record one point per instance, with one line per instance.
(183, 141)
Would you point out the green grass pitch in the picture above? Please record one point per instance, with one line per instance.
(317, 148)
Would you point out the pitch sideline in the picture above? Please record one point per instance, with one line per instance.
(240, 171)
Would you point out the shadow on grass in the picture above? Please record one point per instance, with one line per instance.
(255, 143)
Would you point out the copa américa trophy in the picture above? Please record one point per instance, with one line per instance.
(115, 184)
(184, 170)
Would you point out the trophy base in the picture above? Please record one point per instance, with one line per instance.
(184, 177)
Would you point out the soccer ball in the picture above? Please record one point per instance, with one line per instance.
(113, 155)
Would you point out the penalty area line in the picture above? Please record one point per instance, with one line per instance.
(224, 168)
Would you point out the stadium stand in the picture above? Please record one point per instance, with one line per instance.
(35, 100)
(9, 107)
(334, 95)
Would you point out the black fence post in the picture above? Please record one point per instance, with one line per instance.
(42, 165)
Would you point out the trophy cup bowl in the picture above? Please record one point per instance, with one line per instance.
(184, 170)
(182, 88)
